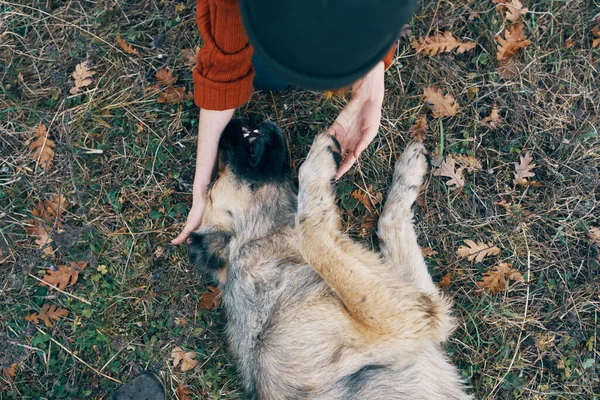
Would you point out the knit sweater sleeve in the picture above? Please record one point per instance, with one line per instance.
(223, 74)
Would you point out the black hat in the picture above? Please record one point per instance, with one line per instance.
(323, 44)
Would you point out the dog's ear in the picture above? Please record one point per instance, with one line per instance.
(208, 250)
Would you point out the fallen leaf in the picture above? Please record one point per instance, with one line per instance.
(7, 374)
(174, 95)
(469, 162)
(183, 392)
(441, 106)
(367, 200)
(477, 251)
(179, 321)
(523, 170)
(64, 276)
(51, 210)
(190, 57)
(127, 48)
(368, 224)
(509, 68)
(493, 120)
(571, 43)
(418, 130)
(428, 252)
(594, 235)
(512, 9)
(211, 299)
(513, 40)
(447, 169)
(82, 76)
(185, 358)
(441, 43)
(42, 239)
(496, 280)
(42, 148)
(165, 77)
(47, 314)
(596, 32)
(446, 281)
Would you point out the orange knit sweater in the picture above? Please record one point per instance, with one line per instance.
(223, 74)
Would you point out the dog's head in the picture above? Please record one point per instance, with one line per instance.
(251, 195)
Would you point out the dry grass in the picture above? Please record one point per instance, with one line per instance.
(126, 165)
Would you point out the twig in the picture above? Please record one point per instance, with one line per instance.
(62, 291)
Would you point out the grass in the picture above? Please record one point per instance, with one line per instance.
(125, 163)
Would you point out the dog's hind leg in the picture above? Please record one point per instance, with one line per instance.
(373, 295)
(398, 240)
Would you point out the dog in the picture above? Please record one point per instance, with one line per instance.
(312, 314)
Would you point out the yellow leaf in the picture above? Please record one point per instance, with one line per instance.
(513, 41)
(418, 130)
(447, 169)
(441, 106)
(496, 280)
(441, 43)
(185, 358)
(47, 314)
(82, 76)
(523, 170)
(127, 48)
(42, 148)
(477, 251)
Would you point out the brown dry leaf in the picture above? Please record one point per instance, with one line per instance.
(367, 225)
(7, 375)
(442, 106)
(523, 170)
(211, 299)
(496, 280)
(51, 210)
(190, 57)
(512, 9)
(447, 169)
(428, 252)
(165, 77)
(47, 314)
(469, 162)
(183, 392)
(185, 358)
(513, 41)
(42, 148)
(174, 95)
(367, 200)
(64, 276)
(127, 48)
(446, 281)
(83, 77)
(493, 120)
(571, 43)
(441, 43)
(477, 251)
(596, 32)
(419, 129)
(42, 239)
(594, 235)
(509, 68)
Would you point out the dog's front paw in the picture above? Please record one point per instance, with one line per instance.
(412, 166)
(322, 163)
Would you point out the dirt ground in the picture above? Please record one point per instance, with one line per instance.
(124, 165)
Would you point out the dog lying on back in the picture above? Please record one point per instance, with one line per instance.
(310, 313)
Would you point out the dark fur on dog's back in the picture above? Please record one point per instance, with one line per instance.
(311, 314)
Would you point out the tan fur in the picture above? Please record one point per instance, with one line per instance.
(314, 315)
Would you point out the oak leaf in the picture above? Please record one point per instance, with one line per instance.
(127, 48)
(47, 314)
(82, 76)
(7, 375)
(64, 276)
(477, 251)
(596, 32)
(51, 210)
(493, 120)
(441, 43)
(441, 106)
(174, 95)
(183, 392)
(509, 68)
(469, 162)
(190, 57)
(523, 170)
(211, 299)
(165, 76)
(42, 147)
(428, 252)
(367, 200)
(185, 358)
(513, 40)
(496, 280)
(446, 281)
(418, 130)
(447, 169)
(512, 9)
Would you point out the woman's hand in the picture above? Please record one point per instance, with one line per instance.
(358, 123)
(210, 127)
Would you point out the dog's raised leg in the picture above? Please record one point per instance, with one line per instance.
(375, 297)
(398, 240)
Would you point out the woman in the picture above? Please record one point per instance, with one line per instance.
(314, 44)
